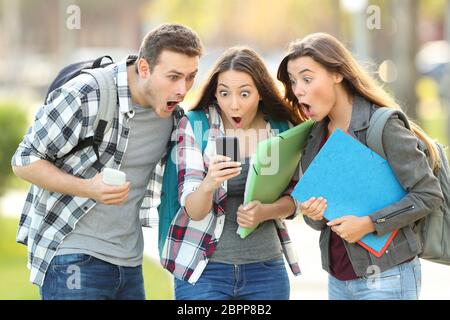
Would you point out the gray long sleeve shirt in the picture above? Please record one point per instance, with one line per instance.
(406, 156)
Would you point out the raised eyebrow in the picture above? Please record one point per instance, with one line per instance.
(305, 70)
(175, 72)
(224, 85)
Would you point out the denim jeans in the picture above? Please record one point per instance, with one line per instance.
(401, 282)
(84, 277)
(253, 281)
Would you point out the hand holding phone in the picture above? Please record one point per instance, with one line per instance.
(108, 187)
(220, 168)
(114, 177)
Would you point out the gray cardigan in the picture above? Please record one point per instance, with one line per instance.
(405, 154)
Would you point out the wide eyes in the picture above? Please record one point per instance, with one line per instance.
(224, 93)
(306, 80)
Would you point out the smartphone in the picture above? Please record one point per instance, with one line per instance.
(114, 177)
(229, 147)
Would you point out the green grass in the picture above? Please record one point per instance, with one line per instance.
(13, 265)
(17, 183)
(158, 282)
(14, 274)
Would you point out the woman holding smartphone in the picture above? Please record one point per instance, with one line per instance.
(207, 257)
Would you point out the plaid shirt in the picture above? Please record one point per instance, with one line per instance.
(189, 243)
(67, 117)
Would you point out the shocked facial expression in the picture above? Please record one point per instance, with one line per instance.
(166, 85)
(238, 98)
(314, 86)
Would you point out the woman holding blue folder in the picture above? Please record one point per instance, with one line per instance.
(324, 82)
(207, 257)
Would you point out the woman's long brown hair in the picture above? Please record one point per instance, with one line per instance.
(335, 57)
(246, 60)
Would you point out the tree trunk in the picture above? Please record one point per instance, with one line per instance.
(405, 48)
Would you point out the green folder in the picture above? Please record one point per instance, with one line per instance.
(273, 166)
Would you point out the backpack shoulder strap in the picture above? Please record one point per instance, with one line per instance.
(106, 106)
(108, 96)
(377, 123)
(200, 125)
(279, 125)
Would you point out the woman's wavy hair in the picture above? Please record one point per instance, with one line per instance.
(335, 57)
(244, 59)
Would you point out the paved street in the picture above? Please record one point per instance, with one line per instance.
(312, 284)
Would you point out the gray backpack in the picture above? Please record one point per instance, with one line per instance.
(434, 229)
(108, 97)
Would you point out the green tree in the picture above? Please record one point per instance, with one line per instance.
(13, 122)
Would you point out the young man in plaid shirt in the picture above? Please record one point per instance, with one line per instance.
(84, 237)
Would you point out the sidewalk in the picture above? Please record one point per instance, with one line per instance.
(312, 284)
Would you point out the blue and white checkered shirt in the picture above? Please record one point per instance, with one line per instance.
(66, 118)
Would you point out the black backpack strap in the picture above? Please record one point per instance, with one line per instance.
(98, 62)
(81, 145)
(131, 59)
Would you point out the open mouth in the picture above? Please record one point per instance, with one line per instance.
(237, 119)
(171, 105)
(306, 109)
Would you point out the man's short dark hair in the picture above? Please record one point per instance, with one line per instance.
(172, 37)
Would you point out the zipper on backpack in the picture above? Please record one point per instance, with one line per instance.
(395, 213)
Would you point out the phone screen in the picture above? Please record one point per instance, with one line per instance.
(229, 147)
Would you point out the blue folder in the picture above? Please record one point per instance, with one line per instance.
(354, 180)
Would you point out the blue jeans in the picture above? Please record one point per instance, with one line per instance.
(401, 282)
(83, 277)
(253, 281)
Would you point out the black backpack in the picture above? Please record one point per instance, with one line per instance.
(107, 101)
